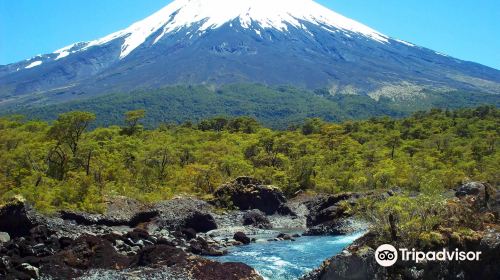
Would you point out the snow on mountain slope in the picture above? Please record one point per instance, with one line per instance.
(212, 14)
(217, 42)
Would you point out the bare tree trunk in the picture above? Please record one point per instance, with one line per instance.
(392, 224)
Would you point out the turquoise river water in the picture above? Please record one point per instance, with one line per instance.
(287, 260)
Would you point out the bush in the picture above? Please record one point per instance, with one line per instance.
(402, 218)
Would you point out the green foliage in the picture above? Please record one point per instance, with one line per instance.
(68, 128)
(240, 124)
(275, 107)
(403, 218)
(312, 126)
(61, 165)
(132, 119)
(431, 239)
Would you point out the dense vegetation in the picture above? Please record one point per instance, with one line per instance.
(66, 165)
(276, 107)
(430, 219)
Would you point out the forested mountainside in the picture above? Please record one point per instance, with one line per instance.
(275, 107)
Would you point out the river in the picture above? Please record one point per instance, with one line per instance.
(287, 260)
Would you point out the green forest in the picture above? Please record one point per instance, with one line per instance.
(275, 107)
(72, 164)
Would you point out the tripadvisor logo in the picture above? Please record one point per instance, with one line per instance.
(387, 255)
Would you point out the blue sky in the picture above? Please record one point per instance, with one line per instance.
(466, 29)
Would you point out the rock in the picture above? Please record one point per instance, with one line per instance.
(130, 210)
(92, 252)
(200, 222)
(65, 242)
(233, 243)
(4, 237)
(82, 218)
(482, 196)
(120, 211)
(242, 237)
(355, 262)
(189, 233)
(17, 218)
(247, 193)
(29, 270)
(137, 235)
(200, 246)
(256, 218)
(341, 226)
(5, 265)
(325, 208)
(161, 254)
(490, 248)
(211, 270)
(134, 250)
(197, 267)
(472, 188)
(358, 264)
(284, 236)
(37, 250)
(182, 213)
(328, 214)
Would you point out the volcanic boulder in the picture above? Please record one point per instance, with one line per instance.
(120, 211)
(17, 218)
(247, 193)
(242, 237)
(184, 213)
(256, 218)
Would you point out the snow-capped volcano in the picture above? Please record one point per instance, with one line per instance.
(212, 14)
(275, 42)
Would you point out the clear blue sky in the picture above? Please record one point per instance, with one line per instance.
(466, 29)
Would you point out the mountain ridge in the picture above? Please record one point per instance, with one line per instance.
(191, 42)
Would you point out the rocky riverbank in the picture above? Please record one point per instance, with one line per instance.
(166, 240)
(480, 202)
(176, 239)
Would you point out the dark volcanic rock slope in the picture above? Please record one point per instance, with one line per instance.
(105, 247)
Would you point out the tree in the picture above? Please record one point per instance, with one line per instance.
(243, 124)
(37, 159)
(479, 150)
(411, 148)
(69, 127)
(304, 171)
(393, 141)
(217, 124)
(132, 119)
(67, 131)
(159, 159)
(402, 217)
(312, 126)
